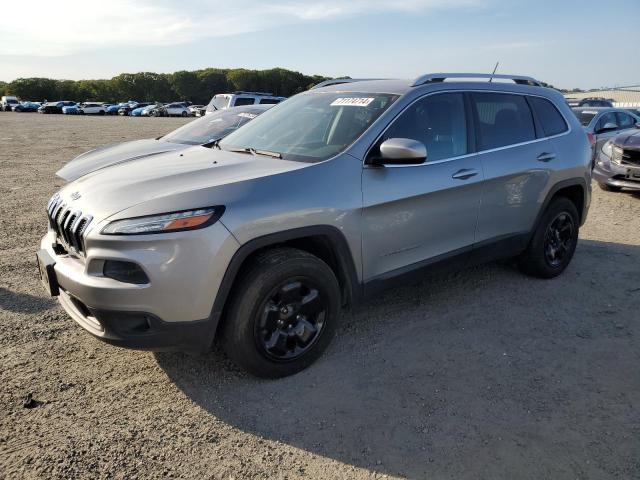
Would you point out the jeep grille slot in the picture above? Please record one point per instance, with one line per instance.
(68, 224)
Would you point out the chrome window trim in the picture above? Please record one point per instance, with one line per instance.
(479, 152)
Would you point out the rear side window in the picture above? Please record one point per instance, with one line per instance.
(625, 121)
(502, 119)
(438, 121)
(243, 101)
(548, 115)
(269, 101)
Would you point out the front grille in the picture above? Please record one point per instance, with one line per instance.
(68, 223)
(630, 157)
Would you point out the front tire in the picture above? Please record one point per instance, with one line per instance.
(283, 314)
(554, 242)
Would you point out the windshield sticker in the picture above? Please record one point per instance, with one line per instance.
(250, 116)
(589, 112)
(351, 102)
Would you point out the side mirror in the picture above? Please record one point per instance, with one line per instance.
(401, 151)
(638, 125)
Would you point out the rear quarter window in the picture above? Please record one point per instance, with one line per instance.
(548, 115)
(243, 101)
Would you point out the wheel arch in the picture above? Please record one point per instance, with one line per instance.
(323, 241)
(575, 189)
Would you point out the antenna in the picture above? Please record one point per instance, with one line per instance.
(494, 71)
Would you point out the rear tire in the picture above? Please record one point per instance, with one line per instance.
(184, 114)
(609, 188)
(554, 241)
(283, 313)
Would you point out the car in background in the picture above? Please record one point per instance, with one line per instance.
(203, 131)
(113, 109)
(55, 107)
(178, 109)
(139, 111)
(126, 110)
(634, 110)
(7, 102)
(602, 124)
(195, 110)
(617, 164)
(595, 102)
(71, 109)
(238, 99)
(26, 107)
(93, 108)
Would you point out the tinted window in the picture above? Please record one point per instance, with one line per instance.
(438, 121)
(243, 101)
(625, 121)
(549, 116)
(585, 116)
(269, 101)
(502, 119)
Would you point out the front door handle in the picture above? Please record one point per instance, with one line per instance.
(464, 174)
(546, 157)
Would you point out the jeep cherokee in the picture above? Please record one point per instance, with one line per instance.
(260, 239)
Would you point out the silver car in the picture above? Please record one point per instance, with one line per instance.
(319, 203)
(199, 132)
(602, 123)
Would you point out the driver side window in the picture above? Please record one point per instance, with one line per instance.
(438, 121)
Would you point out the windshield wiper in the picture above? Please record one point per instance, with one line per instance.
(212, 144)
(253, 151)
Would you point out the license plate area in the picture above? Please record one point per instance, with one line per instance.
(47, 273)
(633, 174)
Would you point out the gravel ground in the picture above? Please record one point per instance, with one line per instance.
(481, 374)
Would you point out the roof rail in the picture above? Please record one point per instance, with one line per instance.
(243, 92)
(338, 81)
(441, 77)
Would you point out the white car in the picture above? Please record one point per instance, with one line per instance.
(238, 99)
(92, 108)
(179, 109)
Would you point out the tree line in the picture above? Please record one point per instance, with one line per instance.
(196, 86)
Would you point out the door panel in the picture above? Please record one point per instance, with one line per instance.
(412, 214)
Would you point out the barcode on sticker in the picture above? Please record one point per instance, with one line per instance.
(352, 101)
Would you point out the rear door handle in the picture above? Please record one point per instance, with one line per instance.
(464, 174)
(546, 157)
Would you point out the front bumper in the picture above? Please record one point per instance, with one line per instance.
(172, 311)
(612, 174)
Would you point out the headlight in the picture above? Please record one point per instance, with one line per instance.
(607, 149)
(166, 222)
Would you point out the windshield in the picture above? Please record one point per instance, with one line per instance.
(212, 127)
(311, 127)
(218, 102)
(585, 116)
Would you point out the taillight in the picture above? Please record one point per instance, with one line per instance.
(592, 139)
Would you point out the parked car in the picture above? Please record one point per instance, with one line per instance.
(595, 102)
(93, 108)
(26, 107)
(7, 102)
(602, 124)
(260, 240)
(194, 110)
(178, 109)
(71, 109)
(238, 99)
(202, 131)
(618, 163)
(113, 109)
(126, 109)
(136, 112)
(55, 107)
(633, 110)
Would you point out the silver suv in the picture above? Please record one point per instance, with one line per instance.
(259, 240)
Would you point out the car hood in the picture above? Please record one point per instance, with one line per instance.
(195, 177)
(114, 154)
(629, 140)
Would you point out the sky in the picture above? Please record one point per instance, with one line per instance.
(566, 43)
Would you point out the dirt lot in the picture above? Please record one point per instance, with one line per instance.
(482, 374)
